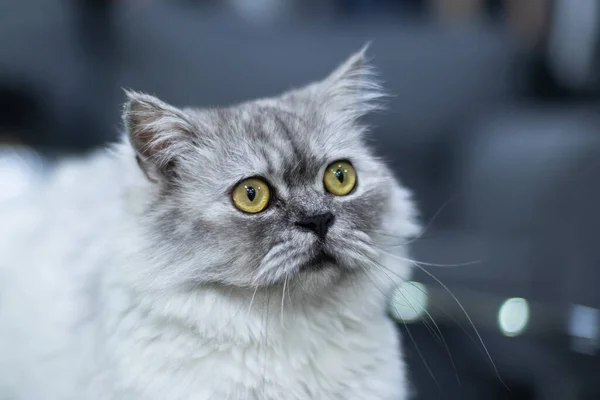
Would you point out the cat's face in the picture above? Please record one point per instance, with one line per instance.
(274, 191)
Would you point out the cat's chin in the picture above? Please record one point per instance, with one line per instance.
(322, 280)
(321, 273)
(320, 261)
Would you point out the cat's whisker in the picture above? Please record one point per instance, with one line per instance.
(290, 297)
(489, 356)
(463, 264)
(396, 241)
(283, 298)
(464, 311)
(385, 271)
(410, 336)
(448, 315)
(425, 229)
(436, 335)
(433, 218)
(393, 255)
(252, 301)
(265, 343)
(230, 321)
(439, 337)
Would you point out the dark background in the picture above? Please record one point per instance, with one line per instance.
(494, 124)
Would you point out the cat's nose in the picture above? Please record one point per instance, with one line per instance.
(318, 224)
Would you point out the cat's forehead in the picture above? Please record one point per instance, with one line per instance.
(276, 142)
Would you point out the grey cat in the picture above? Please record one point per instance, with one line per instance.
(230, 253)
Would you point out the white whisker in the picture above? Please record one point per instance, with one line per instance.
(441, 336)
(480, 339)
(283, 298)
(412, 339)
(252, 301)
(464, 264)
(424, 230)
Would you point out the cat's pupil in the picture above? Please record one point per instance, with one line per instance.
(251, 193)
(339, 174)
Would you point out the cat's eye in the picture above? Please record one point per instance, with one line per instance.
(340, 178)
(251, 195)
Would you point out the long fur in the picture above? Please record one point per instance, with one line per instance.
(131, 275)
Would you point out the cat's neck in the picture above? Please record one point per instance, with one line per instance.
(247, 316)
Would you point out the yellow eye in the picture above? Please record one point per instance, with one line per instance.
(340, 178)
(251, 195)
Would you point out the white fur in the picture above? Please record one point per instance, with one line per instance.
(88, 312)
(76, 325)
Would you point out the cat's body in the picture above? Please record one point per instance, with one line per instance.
(102, 298)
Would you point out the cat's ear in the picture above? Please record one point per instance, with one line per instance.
(158, 132)
(351, 89)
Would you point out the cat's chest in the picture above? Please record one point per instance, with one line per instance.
(345, 365)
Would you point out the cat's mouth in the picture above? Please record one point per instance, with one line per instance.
(319, 261)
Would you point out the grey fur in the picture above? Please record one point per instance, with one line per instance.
(287, 140)
(115, 285)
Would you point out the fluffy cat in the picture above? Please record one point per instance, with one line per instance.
(159, 271)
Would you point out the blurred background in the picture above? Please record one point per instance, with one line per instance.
(494, 124)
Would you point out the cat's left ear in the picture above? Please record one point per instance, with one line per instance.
(159, 133)
(351, 90)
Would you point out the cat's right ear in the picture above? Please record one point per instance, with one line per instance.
(158, 132)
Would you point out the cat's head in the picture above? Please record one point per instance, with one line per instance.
(276, 190)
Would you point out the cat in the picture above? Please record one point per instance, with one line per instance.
(243, 252)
